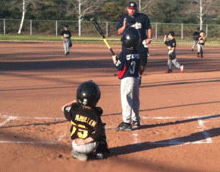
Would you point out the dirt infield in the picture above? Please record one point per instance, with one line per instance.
(180, 111)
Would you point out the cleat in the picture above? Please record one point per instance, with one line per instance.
(182, 69)
(100, 155)
(136, 124)
(169, 71)
(124, 127)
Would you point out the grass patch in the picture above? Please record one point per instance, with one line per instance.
(112, 40)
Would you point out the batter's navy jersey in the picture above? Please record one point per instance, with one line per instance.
(140, 22)
(85, 122)
(128, 64)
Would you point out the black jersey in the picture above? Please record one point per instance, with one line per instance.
(128, 63)
(140, 22)
(196, 35)
(171, 43)
(66, 34)
(85, 122)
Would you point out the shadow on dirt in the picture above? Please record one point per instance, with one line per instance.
(127, 149)
(132, 148)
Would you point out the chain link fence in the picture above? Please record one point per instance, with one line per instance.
(51, 27)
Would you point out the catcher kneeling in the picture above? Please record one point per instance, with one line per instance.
(87, 130)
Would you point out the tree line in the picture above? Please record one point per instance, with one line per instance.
(166, 11)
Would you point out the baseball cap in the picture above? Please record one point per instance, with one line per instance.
(132, 5)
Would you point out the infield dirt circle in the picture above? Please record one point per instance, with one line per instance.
(180, 112)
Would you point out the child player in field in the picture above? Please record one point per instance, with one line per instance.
(201, 43)
(171, 45)
(66, 37)
(128, 65)
(87, 130)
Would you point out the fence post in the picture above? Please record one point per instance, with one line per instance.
(4, 27)
(156, 31)
(106, 30)
(56, 28)
(181, 30)
(207, 30)
(30, 27)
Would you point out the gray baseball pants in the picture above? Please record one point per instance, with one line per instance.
(130, 99)
(66, 45)
(84, 149)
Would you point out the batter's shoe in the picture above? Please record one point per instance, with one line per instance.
(169, 71)
(79, 156)
(124, 127)
(136, 124)
(182, 69)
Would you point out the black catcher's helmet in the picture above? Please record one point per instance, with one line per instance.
(130, 37)
(88, 94)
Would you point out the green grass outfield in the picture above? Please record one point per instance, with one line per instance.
(211, 42)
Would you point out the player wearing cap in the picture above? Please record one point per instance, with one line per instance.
(140, 22)
(66, 37)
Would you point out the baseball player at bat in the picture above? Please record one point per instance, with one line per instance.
(128, 65)
(87, 129)
(171, 46)
(140, 22)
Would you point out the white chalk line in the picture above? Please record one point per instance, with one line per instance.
(38, 118)
(176, 141)
(135, 135)
(6, 121)
(30, 142)
(208, 138)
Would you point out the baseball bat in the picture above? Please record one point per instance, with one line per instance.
(98, 28)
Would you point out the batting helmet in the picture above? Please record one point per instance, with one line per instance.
(130, 37)
(88, 94)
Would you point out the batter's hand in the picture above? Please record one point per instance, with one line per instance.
(114, 59)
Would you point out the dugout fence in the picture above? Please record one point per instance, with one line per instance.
(54, 27)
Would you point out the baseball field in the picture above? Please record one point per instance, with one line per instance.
(180, 112)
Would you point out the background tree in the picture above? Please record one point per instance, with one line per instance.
(82, 8)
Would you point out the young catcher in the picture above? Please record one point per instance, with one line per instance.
(66, 37)
(128, 65)
(171, 45)
(87, 130)
(201, 43)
